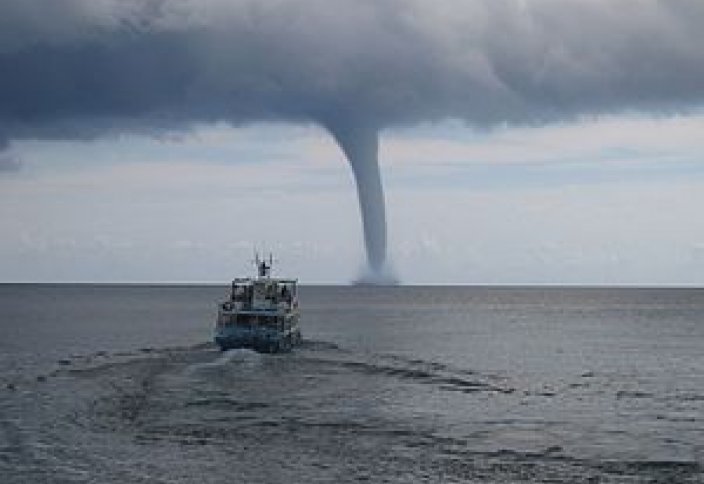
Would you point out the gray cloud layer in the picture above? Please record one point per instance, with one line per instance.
(76, 68)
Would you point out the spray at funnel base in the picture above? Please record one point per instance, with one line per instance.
(361, 146)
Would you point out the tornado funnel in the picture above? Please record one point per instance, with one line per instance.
(360, 144)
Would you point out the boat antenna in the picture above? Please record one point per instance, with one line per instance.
(263, 269)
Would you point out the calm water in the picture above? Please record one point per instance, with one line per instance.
(397, 384)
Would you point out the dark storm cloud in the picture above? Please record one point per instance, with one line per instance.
(77, 68)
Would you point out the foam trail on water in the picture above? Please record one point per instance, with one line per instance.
(360, 143)
(228, 357)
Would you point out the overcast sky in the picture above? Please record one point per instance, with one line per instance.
(521, 142)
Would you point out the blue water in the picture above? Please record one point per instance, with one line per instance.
(393, 384)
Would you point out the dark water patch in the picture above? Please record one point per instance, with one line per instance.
(542, 393)
(130, 388)
(632, 394)
(359, 428)
(189, 434)
(429, 374)
(433, 366)
(553, 465)
(12, 444)
(227, 403)
(122, 361)
(689, 397)
(679, 418)
(653, 471)
(317, 345)
(377, 369)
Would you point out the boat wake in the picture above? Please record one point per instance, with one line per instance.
(229, 357)
(322, 413)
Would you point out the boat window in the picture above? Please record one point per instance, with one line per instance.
(239, 293)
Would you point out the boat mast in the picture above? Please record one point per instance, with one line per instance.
(264, 269)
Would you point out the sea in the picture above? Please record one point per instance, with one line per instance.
(406, 384)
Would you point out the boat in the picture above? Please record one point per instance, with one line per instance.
(260, 313)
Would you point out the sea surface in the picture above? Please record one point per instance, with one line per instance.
(121, 384)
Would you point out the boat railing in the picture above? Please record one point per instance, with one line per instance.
(268, 305)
